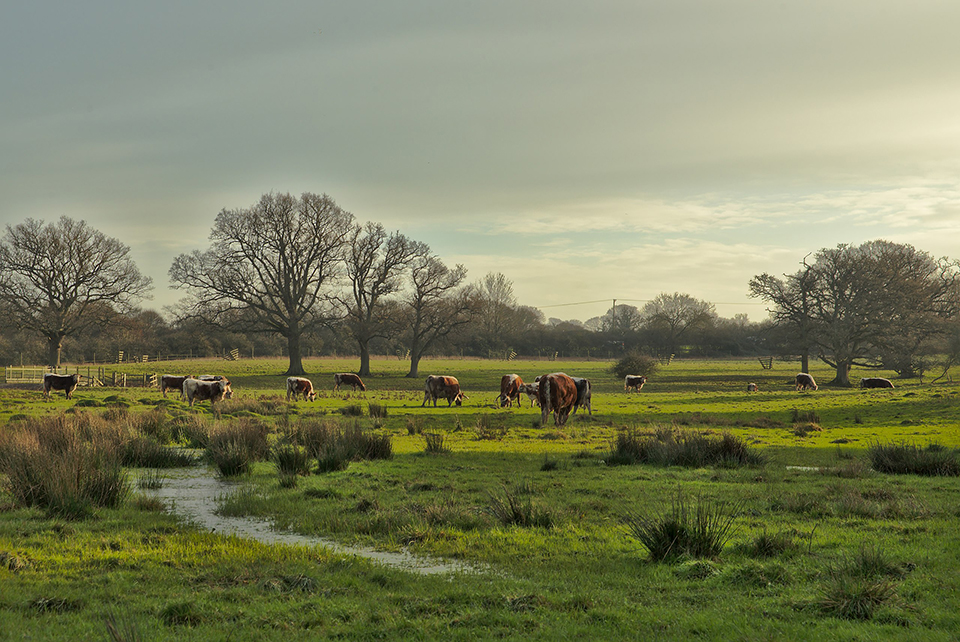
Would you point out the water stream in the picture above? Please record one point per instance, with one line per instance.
(192, 494)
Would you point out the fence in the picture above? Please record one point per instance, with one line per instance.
(91, 376)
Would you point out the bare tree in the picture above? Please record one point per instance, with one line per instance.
(375, 262)
(867, 301)
(670, 319)
(435, 305)
(269, 268)
(60, 278)
(793, 307)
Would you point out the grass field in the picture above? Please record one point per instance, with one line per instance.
(821, 547)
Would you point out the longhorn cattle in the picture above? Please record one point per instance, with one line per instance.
(875, 382)
(583, 395)
(172, 382)
(347, 379)
(558, 394)
(299, 386)
(752, 387)
(633, 381)
(805, 381)
(532, 390)
(510, 386)
(441, 387)
(67, 383)
(199, 390)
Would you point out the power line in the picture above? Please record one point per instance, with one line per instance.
(562, 305)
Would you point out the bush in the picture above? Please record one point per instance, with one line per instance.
(699, 531)
(635, 364)
(932, 461)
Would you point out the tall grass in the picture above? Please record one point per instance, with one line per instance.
(234, 446)
(334, 445)
(670, 448)
(932, 461)
(700, 530)
(67, 465)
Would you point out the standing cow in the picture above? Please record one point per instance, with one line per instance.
(805, 381)
(875, 382)
(532, 390)
(172, 382)
(558, 394)
(510, 385)
(633, 381)
(752, 387)
(583, 395)
(199, 390)
(67, 383)
(442, 387)
(299, 386)
(347, 379)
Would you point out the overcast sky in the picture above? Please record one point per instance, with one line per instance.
(586, 150)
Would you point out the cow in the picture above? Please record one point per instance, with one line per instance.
(211, 378)
(752, 387)
(441, 387)
(347, 379)
(297, 386)
(633, 381)
(558, 394)
(583, 395)
(532, 390)
(805, 381)
(67, 383)
(875, 382)
(510, 385)
(172, 382)
(200, 390)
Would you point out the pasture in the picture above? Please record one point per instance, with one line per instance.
(821, 547)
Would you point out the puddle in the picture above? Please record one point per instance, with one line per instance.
(192, 494)
(813, 469)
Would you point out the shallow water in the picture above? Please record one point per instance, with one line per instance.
(192, 494)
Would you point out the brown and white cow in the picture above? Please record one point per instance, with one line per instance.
(875, 382)
(297, 386)
(633, 381)
(558, 394)
(67, 383)
(752, 387)
(200, 390)
(583, 395)
(510, 385)
(172, 382)
(441, 387)
(347, 379)
(532, 390)
(805, 381)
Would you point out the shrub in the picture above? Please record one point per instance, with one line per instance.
(699, 531)
(932, 461)
(635, 364)
(510, 510)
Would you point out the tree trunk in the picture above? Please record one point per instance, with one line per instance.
(843, 374)
(364, 358)
(54, 351)
(296, 361)
(805, 362)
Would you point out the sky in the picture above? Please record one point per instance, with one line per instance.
(589, 151)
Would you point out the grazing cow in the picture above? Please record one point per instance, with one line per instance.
(67, 383)
(805, 381)
(532, 390)
(583, 395)
(752, 387)
(172, 382)
(633, 381)
(510, 385)
(440, 387)
(558, 394)
(347, 379)
(200, 390)
(875, 382)
(297, 386)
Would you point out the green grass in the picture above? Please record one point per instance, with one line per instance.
(563, 564)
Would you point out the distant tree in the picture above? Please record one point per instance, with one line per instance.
(435, 305)
(669, 320)
(61, 278)
(863, 302)
(269, 268)
(375, 262)
(793, 298)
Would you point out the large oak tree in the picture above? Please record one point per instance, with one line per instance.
(270, 267)
(60, 278)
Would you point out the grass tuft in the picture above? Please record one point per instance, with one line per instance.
(699, 531)
(901, 459)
